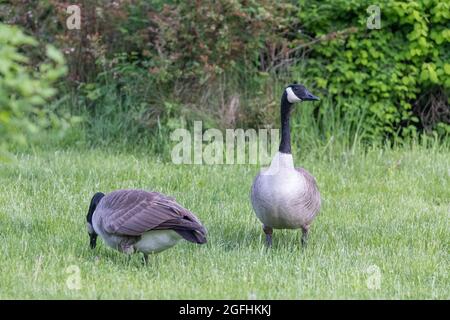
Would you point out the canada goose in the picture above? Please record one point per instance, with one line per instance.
(137, 220)
(285, 197)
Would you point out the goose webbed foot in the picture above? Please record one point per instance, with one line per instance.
(268, 231)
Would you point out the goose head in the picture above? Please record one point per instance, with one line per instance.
(298, 93)
(90, 228)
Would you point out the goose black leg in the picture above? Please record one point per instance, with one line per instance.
(305, 231)
(268, 231)
(145, 258)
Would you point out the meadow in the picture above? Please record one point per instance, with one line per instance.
(383, 231)
(90, 97)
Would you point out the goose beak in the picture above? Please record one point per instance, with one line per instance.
(310, 97)
(93, 241)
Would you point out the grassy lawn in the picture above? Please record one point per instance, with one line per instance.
(383, 231)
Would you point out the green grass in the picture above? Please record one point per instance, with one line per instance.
(383, 209)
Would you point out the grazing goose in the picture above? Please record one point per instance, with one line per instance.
(137, 220)
(285, 197)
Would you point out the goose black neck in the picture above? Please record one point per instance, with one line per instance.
(93, 205)
(285, 112)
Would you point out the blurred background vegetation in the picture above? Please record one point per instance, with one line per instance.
(138, 69)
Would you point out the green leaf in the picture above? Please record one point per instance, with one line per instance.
(432, 73)
(447, 68)
(55, 54)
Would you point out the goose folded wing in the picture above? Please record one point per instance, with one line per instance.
(154, 211)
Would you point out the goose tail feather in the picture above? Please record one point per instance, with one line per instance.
(194, 236)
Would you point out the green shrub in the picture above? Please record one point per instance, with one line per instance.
(138, 68)
(24, 90)
(197, 40)
(395, 71)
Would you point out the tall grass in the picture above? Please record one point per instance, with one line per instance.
(133, 113)
(384, 216)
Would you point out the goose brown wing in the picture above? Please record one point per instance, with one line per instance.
(133, 212)
(312, 201)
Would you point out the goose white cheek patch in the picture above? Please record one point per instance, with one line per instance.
(291, 96)
(90, 229)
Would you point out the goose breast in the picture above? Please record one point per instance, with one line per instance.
(288, 199)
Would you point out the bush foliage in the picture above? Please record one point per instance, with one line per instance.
(156, 65)
(25, 91)
(400, 71)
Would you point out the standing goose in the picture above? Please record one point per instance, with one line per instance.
(285, 197)
(137, 220)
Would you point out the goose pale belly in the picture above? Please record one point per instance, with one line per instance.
(157, 240)
(288, 199)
